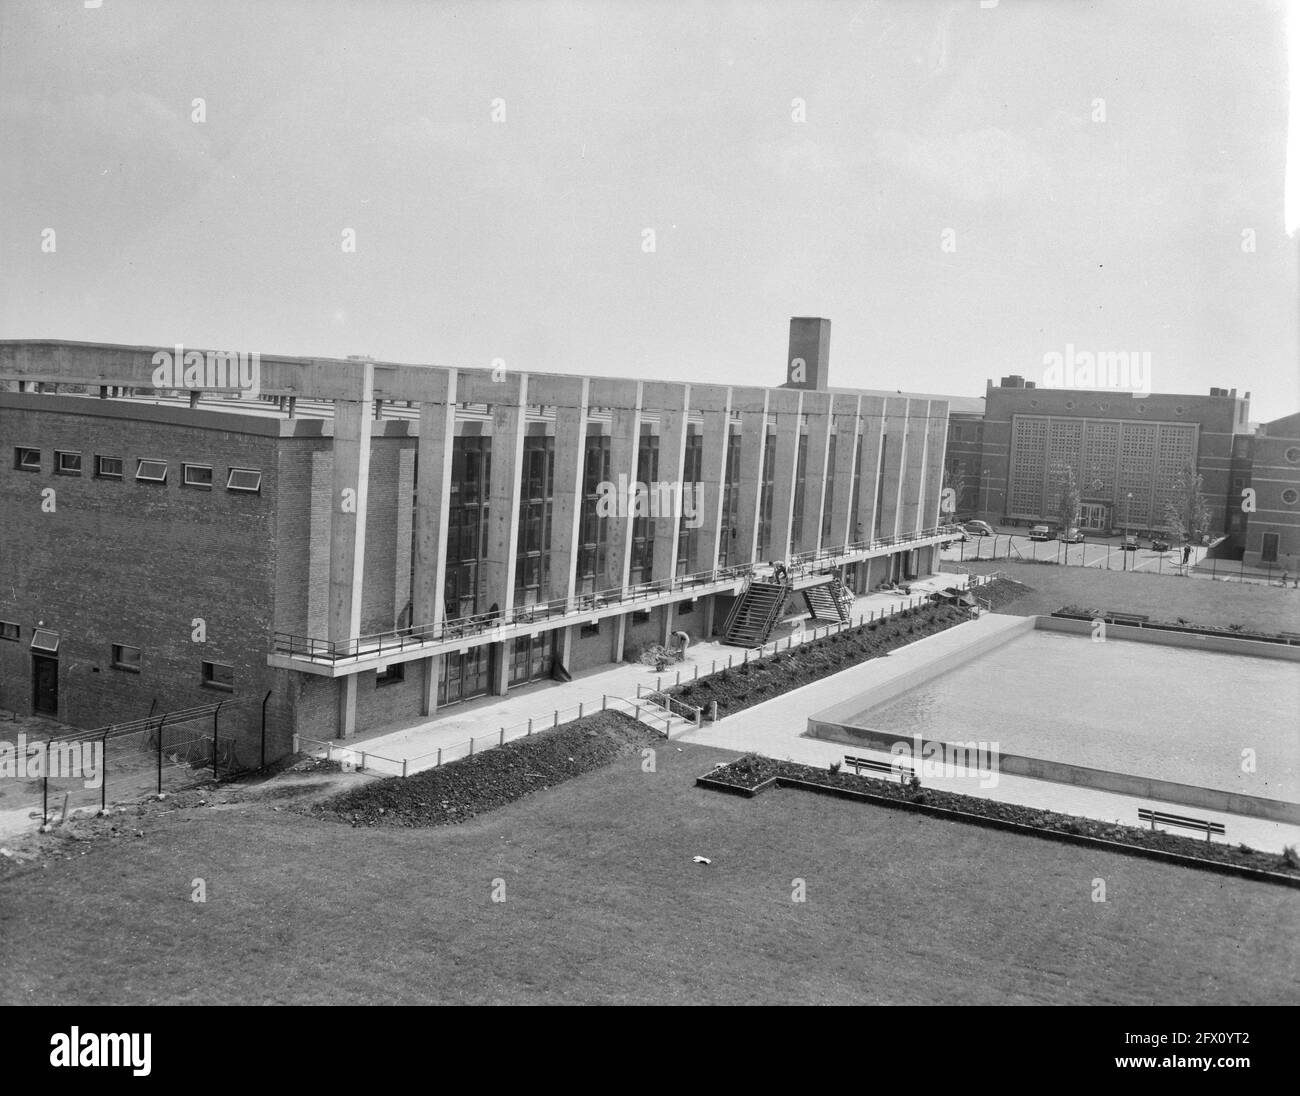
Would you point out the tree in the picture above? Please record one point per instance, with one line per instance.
(1187, 513)
(1068, 500)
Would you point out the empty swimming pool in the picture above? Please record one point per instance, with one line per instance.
(1140, 708)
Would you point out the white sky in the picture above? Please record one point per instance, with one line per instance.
(523, 240)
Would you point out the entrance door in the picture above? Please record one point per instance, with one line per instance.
(1092, 515)
(45, 685)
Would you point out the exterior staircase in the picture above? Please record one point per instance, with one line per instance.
(830, 601)
(755, 614)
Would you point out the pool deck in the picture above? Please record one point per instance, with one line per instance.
(776, 729)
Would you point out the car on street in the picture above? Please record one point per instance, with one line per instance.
(1159, 543)
(1072, 536)
(1040, 532)
(979, 528)
(1130, 542)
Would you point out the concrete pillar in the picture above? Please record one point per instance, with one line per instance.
(708, 618)
(623, 398)
(752, 404)
(817, 410)
(936, 443)
(895, 451)
(569, 397)
(620, 634)
(873, 422)
(432, 496)
(913, 486)
(845, 417)
(673, 402)
(666, 625)
(786, 410)
(715, 405)
(509, 421)
(350, 491)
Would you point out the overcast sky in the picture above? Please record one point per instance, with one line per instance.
(1096, 170)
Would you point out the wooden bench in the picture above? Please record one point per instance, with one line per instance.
(1125, 618)
(1147, 814)
(899, 766)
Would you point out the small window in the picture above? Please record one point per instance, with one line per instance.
(27, 460)
(244, 479)
(1289, 496)
(217, 675)
(9, 630)
(1268, 548)
(197, 475)
(67, 464)
(108, 467)
(685, 608)
(1293, 455)
(641, 614)
(126, 658)
(592, 629)
(390, 675)
(45, 640)
(151, 471)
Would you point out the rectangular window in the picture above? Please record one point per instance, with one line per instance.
(67, 464)
(592, 629)
(27, 460)
(151, 471)
(126, 657)
(390, 675)
(9, 630)
(1268, 548)
(217, 675)
(45, 640)
(108, 467)
(244, 479)
(196, 475)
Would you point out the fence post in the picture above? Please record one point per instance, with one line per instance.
(637, 713)
(215, 716)
(403, 768)
(160, 730)
(557, 718)
(439, 762)
(697, 672)
(264, 700)
(502, 740)
(297, 744)
(45, 798)
(659, 684)
(362, 767)
(579, 709)
(471, 745)
(729, 657)
(679, 677)
(103, 784)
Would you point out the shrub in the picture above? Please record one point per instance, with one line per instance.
(1290, 857)
(834, 767)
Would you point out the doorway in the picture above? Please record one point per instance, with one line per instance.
(45, 685)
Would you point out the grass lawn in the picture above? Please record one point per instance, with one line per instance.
(1161, 597)
(603, 904)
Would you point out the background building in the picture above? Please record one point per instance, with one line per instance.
(361, 542)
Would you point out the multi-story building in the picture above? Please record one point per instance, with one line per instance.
(1125, 450)
(357, 544)
(1265, 523)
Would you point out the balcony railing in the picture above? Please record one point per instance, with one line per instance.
(462, 628)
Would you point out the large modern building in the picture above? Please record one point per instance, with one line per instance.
(361, 543)
(1125, 449)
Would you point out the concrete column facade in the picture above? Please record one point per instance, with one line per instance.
(509, 419)
(623, 398)
(569, 397)
(817, 411)
(673, 402)
(786, 410)
(895, 453)
(873, 421)
(936, 443)
(714, 402)
(845, 417)
(913, 487)
(349, 494)
(432, 497)
(752, 404)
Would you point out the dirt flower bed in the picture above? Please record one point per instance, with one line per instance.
(1238, 631)
(464, 789)
(752, 770)
(761, 679)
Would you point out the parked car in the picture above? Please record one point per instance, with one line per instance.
(979, 528)
(1159, 543)
(1040, 532)
(1130, 542)
(1072, 536)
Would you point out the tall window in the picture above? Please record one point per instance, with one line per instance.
(765, 493)
(643, 526)
(467, 515)
(533, 555)
(593, 530)
(730, 501)
(800, 488)
(828, 503)
(688, 528)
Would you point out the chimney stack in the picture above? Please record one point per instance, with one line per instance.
(808, 363)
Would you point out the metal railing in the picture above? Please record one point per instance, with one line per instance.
(395, 640)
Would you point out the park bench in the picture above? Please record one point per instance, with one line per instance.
(859, 763)
(1125, 618)
(1162, 818)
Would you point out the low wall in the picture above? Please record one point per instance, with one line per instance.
(1194, 640)
(1060, 772)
